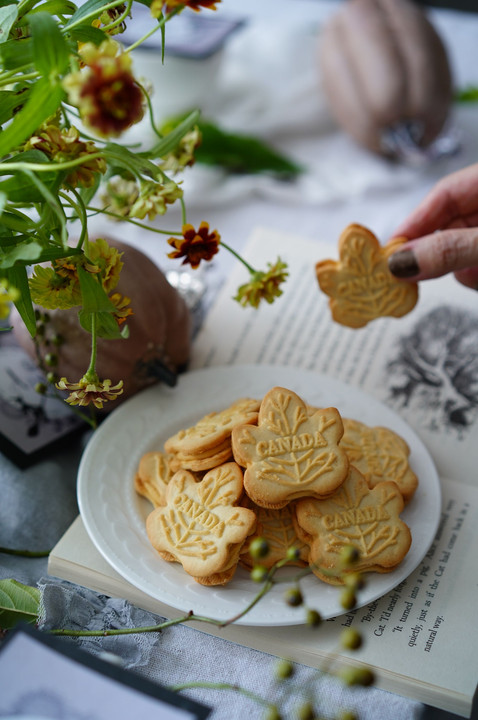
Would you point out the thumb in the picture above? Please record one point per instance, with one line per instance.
(431, 256)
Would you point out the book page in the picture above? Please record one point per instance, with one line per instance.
(423, 365)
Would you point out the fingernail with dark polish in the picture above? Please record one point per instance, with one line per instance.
(403, 264)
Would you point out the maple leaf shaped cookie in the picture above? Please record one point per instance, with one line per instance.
(201, 525)
(360, 285)
(380, 454)
(290, 453)
(152, 477)
(368, 519)
(214, 429)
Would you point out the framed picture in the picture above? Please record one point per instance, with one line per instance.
(30, 424)
(43, 675)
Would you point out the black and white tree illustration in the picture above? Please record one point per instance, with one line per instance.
(434, 371)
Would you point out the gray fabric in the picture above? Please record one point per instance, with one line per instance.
(181, 655)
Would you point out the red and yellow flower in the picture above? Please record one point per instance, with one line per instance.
(104, 90)
(195, 245)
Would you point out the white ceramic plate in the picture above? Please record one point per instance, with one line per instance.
(114, 515)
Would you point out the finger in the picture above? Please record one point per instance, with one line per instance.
(453, 199)
(437, 254)
(468, 277)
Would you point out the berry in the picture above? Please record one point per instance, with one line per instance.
(354, 580)
(313, 618)
(284, 669)
(51, 359)
(259, 548)
(259, 573)
(349, 555)
(347, 715)
(273, 714)
(293, 597)
(350, 639)
(306, 711)
(357, 676)
(348, 599)
(293, 553)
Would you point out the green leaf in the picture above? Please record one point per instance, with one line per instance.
(25, 253)
(18, 278)
(20, 188)
(235, 152)
(134, 162)
(18, 603)
(467, 94)
(91, 6)
(241, 153)
(3, 202)
(50, 50)
(56, 7)
(9, 100)
(94, 297)
(42, 102)
(16, 54)
(8, 15)
(106, 325)
(88, 33)
(173, 133)
(96, 303)
(18, 222)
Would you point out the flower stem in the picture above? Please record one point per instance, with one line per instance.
(224, 686)
(80, 210)
(89, 208)
(238, 257)
(25, 553)
(48, 167)
(161, 23)
(91, 372)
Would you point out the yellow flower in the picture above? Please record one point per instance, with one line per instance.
(121, 303)
(183, 155)
(106, 261)
(108, 17)
(63, 145)
(90, 390)
(120, 195)
(52, 290)
(153, 199)
(8, 294)
(104, 90)
(263, 285)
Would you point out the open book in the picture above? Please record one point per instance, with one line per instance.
(417, 637)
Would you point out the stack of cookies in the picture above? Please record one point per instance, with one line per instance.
(284, 471)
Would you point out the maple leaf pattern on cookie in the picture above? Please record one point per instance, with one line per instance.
(380, 454)
(368, 519)
(360, 285)
(278, 529)
(201, 526)
(290, 454)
